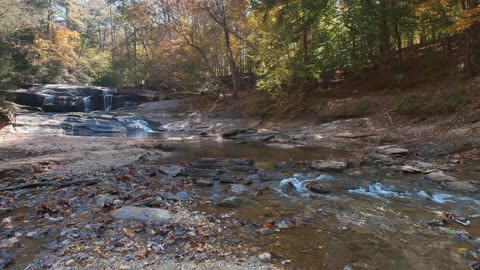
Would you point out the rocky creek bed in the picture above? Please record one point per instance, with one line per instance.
(156, 186)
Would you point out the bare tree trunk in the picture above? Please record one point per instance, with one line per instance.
(399, 43)
(305, 46)
(471, 40)
(112, 32)
(231, 60)
(49, 19)
(384, 33)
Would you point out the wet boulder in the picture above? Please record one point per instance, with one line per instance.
(232, 202)
(318, 187)
(104, 200)
(238, 189)
(439, 177)
(381, 159)
(329, 166)
(143, 214)
(171, 170)
(459, 186)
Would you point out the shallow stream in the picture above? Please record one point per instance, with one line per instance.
(371, 220)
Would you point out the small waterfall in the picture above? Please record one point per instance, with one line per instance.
(87, 103)
(49, 100)
(107, 100)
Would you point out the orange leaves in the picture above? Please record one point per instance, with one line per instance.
(469, 17)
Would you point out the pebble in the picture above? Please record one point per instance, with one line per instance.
(265, 257)
(70, 262)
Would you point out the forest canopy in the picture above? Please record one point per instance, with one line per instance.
(285, 45)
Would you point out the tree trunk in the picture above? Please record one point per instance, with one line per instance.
(231, 60)
(471, 40)
(399, 44)
(384, 33)
(112, 32)
(49, 19)
(305, 46)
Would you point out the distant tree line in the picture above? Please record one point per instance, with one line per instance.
(183, 43)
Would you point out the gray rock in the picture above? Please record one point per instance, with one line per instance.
(230, 202)
(379, 158)
(394, 151)
(444, 148)
(438, 177)
(265, 257)
(459, 186)
(238, 189)
(10, 242)
(185, 195)
(104, 200)
(171, 170)
(329, 166)
(204, 183)
(143, 214)
(170, 196)
(281, 224)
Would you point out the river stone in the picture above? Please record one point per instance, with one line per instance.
(379, 158)
(459, 186)
(171, 170)
(170, 196)
(238, 189)
(438, 177)
(204, 183)
(104, 200)
(230, 202)
(281, 224)
(394, 151)
(327, 166)
(8, 243)
(265, 257)
(318, 187)
(143, 214)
